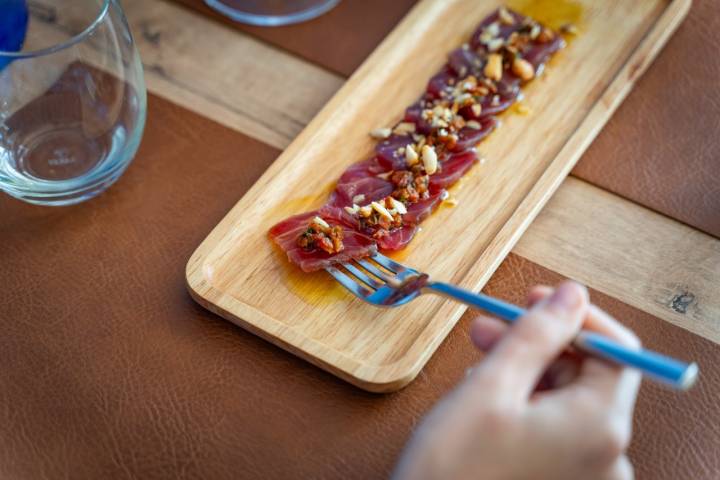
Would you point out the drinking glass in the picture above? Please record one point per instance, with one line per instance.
(272, 13)
(72, 98)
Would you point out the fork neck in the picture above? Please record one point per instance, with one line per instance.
(506, 311)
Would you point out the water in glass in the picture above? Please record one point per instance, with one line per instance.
(72, 99)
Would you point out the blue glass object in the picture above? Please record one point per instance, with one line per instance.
(272, 13)
(13, 27)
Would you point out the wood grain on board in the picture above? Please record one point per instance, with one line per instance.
(110, 370)
(384, 351)
(658, 150)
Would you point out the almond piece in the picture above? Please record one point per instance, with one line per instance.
(495, 44)
(493, 29)
(320, 222)
(493, 68)
(535, 31)
(381, 210)
(523, 69)
(505, 17)
(381, 133)
(411, 156)
(398, 205)
(545, 36)
(404, 128)
(365, 211)
(430, 160)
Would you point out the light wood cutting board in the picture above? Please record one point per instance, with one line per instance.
(238, 273)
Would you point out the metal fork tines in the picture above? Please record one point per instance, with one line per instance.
(384, 282)
(375, 279)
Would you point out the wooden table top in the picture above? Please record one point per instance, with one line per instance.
(112, 371)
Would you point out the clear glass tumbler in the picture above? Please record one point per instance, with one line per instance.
(272, 13)
(72, 98)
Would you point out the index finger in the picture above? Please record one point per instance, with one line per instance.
(517, 362)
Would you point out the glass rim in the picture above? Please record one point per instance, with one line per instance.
(77, 38)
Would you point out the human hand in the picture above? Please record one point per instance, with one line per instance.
(497, 424)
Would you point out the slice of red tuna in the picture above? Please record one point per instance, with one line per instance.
(391, 151)
(452, 169)
(355, 244)
(361, 185)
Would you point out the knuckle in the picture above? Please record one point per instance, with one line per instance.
(613, 439)
(611, 434)
(499, 419)
(538, 330)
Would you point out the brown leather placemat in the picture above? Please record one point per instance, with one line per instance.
(110, 370)
(338, 40)
(660, 149)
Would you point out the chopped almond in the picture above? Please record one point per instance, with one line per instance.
(505, 17)
(493, 68)
(545, 36)
(535, 31)
(404, 128)
(411, 156)
(381, 133)
(321, 222)
(430, 160)
(398, 206)
(495, 44)
(381, 210)
(523, 69)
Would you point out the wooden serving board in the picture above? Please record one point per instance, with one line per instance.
(238, 273)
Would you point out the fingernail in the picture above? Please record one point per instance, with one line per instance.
(566, 296)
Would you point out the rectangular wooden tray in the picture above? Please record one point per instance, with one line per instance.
(238, 273)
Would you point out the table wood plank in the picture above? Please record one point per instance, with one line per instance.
(212, 70)
(179, 48)
(629, 252)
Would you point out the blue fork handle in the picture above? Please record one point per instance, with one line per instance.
(668, 370)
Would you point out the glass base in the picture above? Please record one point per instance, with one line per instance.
(62, 199)
(58, 167)
(287, 15)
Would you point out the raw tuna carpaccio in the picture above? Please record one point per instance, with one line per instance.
(357, 245)
(379, 203)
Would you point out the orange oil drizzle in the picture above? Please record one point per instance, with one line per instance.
(315, 288)
(553, 13)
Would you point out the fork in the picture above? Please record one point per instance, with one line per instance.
(384, 282)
